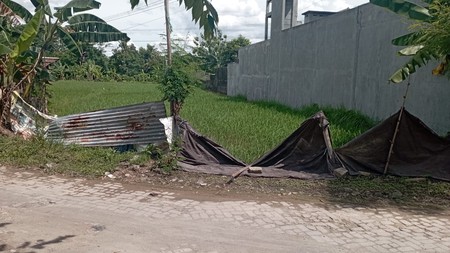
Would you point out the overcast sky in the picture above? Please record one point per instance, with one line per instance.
(145, 24)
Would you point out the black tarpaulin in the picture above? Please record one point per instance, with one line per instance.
(417, 151)
(303, 154)
(200, 150)
(201, 154)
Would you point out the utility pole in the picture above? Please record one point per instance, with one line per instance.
(169, 46)
(173, 111)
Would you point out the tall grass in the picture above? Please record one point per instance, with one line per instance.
(71, 97)
(250, 129)
(246, 129)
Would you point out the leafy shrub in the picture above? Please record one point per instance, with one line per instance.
(166, 159)
(175, 88)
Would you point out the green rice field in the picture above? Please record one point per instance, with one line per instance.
(246, 129)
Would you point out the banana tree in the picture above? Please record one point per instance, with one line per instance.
(25, 37)
(430, 38)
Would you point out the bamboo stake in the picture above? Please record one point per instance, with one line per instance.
(326, 136)
(396, 129)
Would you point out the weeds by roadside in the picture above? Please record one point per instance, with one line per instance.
(57, 158)
(401, 190)
(165, 157)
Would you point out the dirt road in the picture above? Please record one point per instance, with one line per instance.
(55, 214)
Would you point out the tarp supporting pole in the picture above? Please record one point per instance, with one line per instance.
(388, 160)
(326, 135)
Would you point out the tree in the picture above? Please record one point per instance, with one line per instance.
(126, 60)
(90, 52)
(153, 60)
(210, 51)
(217, 52)
(23, 47)
(232, 48)
(430, 38)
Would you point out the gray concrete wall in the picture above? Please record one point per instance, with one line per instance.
(341, 60)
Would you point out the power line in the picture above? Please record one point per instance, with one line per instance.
(148, 21)
(188, 29)
(125, 12)
(133, 13)
(139, 9)
(129, 14)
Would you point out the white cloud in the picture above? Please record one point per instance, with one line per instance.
(239, 8)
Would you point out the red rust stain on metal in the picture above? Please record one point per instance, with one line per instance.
(136, 126)
(121, 137)
(78, 122)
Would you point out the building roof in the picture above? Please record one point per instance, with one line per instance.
(319, 12)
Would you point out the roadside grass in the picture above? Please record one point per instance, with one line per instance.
(57, 158)
(401, 190)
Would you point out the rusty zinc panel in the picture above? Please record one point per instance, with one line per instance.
(134, 124)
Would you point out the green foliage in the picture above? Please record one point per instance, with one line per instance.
(14, 12)
(430, 39)
(189, 65)
(166, 159)
(130, 64)
(59, 71)
(28, 34)
(175, 87)
(216, 52)
(126, 60)
(90, 28)
(126, 64)
(233, 46)
(153, 59)
(435, 36)
(22, 53)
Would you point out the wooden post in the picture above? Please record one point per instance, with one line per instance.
(391, 149)
(168, 31)
(326, 136)
(173, 105)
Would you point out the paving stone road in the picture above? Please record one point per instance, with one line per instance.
(55, 214)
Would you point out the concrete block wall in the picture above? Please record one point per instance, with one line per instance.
(340, 60)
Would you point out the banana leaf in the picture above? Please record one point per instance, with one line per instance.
(420, 59)
(15, 9)
(404, 8)
(28, 34)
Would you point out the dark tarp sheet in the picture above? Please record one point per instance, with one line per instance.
(304, 152)
(418, 151)
(302, 155)
(200, 154)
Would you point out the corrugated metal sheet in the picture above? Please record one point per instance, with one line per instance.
(134, 124)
